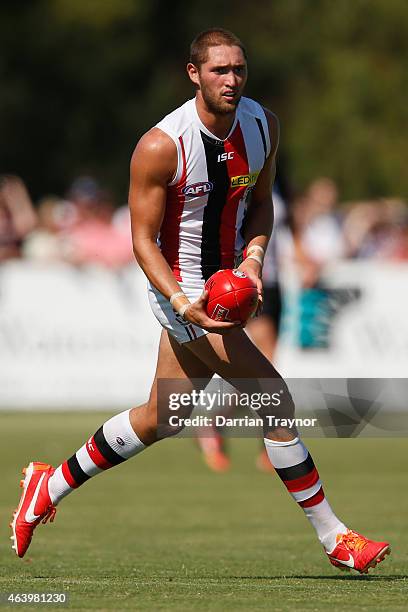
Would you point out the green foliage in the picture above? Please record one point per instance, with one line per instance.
(81, 81)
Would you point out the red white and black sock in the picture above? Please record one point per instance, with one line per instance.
(112, 444)
(295, 467)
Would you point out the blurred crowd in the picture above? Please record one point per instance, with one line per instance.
(323, 229)
(87, 227)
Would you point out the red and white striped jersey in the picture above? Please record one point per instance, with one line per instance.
(207, 199)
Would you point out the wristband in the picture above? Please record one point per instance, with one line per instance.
(258, 259)
(179, 309)
(183, 309)
(256, 246)
(176, 295)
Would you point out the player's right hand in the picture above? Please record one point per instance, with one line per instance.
(197, 314)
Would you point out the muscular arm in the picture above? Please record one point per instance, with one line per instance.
(153, 165)
(260, 214)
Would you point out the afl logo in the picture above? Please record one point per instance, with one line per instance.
(197, 189)
(239, 273)
(120, 441)
(220, 313)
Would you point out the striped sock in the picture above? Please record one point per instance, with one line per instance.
(112, 444)
(295, 467)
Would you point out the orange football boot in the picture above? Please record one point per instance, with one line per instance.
(35, 505)
(354, 551)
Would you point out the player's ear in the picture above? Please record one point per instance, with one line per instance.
(193, 73)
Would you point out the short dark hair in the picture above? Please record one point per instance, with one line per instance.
(212, 38)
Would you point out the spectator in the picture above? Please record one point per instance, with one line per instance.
(375, 229)
(44, 243)
(17, 216)
(308, 269)
(322, 235)
(94, 238)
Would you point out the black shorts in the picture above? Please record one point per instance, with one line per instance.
(272, 304)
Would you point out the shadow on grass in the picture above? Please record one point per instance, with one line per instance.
(390, 578)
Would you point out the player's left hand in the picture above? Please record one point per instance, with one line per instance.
(253, 270)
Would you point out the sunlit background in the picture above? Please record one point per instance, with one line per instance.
(80, 83)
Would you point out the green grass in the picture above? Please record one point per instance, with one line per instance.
(163, 533)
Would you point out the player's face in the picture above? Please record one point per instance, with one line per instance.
(221, 79)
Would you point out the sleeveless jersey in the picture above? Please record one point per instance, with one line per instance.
(208, 197)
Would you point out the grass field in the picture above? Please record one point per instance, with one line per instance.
(163, 533)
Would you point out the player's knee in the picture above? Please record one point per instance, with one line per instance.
(144, 423)
(170, 423)
(279, 420)
(168, 430)
(282, 409)
(164, 423)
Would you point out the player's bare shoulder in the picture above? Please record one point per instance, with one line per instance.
(274, 129)
(155, 154)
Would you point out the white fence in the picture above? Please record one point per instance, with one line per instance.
(366, 324)
(85, 338)
(74, 337)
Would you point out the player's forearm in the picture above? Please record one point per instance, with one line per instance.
(156, 268)
(259, 225)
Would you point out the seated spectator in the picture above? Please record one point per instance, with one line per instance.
(44, 243)
(375, 229)
(94, 238)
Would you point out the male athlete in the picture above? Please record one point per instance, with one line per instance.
(200, 191)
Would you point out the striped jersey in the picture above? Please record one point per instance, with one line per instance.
(208, 197)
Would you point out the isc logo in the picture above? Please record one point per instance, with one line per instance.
(224, 156)
(197, 189)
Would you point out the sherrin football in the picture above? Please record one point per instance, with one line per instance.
(232, 296)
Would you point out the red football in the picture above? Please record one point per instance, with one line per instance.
(232, 296)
